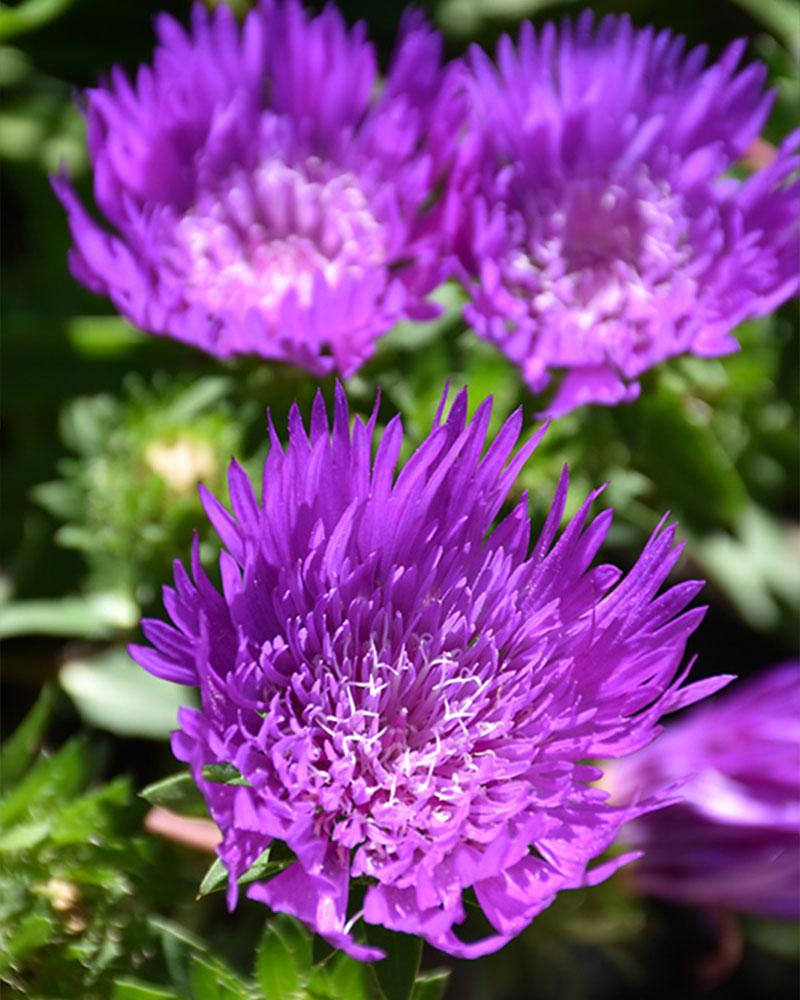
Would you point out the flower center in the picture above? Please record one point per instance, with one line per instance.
(388, 750)
(276, 231)
(597, 253)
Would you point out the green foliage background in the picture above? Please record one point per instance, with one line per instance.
(97, 416)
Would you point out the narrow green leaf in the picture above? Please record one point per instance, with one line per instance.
(102, 336)
(203, 981)
(431, 985)
(210, 979)
(283, 960)
(178, 793)
(224, 774)
(348, 978)
(53, 778)
(177, 946)
(89, 816)
(130, 989)
(216, 877)
(200, 395)
(19, 750)
(397, 972)
(29, 15)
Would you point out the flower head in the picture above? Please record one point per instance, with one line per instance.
(410, 693)
(605, 234)
(265, 197)
(734, 839)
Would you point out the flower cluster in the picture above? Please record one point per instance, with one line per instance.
(267, 199)
(410, 692)
(605, 234)
(264, 198)
(734, 838)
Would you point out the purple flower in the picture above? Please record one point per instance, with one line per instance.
(266, 197)
(411, 694)
(605, 233)
(734, 840)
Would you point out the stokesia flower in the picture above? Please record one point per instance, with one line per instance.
(410, 694)
(265, 195)
(605, 233)
(734, 839)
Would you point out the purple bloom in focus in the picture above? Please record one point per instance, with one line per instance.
(267, 198)
(734, 840)
(410, 693)
(604, 234)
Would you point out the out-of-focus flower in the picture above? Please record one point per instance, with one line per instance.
(734, 840)
(409, 694)
(605, 233)
(267, 197)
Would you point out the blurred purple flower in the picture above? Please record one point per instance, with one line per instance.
(267, 197)
(410, 694)
(605, 233)
(734, 840)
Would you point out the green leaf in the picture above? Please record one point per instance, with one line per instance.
(467, 18)
(203, 981)
(90, 815)
(210, 979)
(33, 932)
(23, 836)
(19, 750)
(111, 692)
(131, 989)
(409, 336)
(102, 336)
(60, 498)
(779, 17)
(341, 977)
(178, 793)
(283, 960)
(776, 937)
(685, 460)
(86, 423)
(431, 985)
(753, 566)
(216, 877)
(29, 15)
(395, 973)
(198, 396)
(177, 945)
(51, 779)
(224, 774)
(69, 616)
